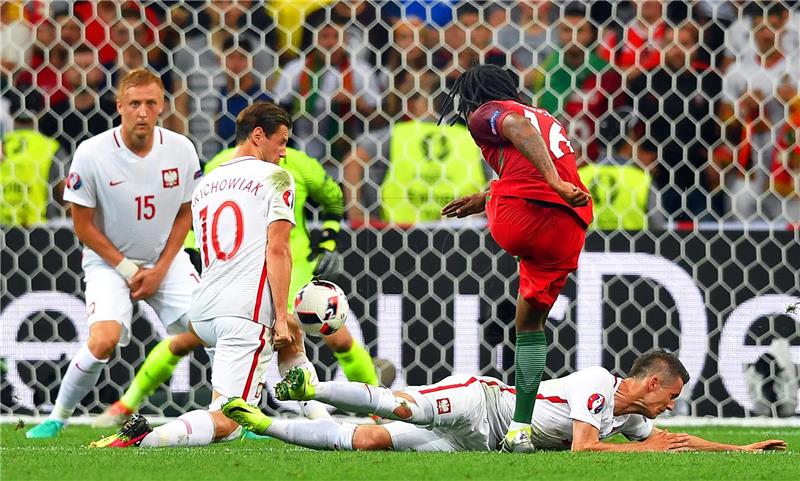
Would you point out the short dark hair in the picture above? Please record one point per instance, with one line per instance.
(266, 115)
(659, 362)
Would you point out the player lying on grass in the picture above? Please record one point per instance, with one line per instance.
(463, 413)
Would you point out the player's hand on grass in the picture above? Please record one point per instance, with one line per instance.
(281, 336)
(467, 205)
(667, 441)
(768, 445)
(146, 282)
(571, 194)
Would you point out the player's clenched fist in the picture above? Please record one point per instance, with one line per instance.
(281, 336)
(146, 282)
(467, 205)
(572, 194)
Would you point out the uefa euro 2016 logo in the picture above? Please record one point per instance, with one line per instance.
(596, 403)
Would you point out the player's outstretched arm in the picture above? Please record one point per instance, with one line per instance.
(586, 437)
(699, 444)
(279, 260)
(520, 132)
(467, 205)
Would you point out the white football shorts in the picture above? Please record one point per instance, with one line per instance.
(459, 411)
(242, 349)
(108, 297)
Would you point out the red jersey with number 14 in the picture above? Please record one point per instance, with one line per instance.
(518, 176)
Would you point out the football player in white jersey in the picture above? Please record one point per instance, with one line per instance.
(130, 189)
(472, 413)
(243, 213)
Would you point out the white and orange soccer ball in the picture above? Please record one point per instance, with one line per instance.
(320, 308)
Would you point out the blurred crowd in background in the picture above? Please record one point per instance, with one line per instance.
(680, 112)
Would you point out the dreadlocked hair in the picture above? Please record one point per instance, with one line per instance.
(476, 86)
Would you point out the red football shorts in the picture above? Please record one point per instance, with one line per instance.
(546, 238)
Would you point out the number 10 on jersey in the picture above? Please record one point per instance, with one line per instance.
(238, 231)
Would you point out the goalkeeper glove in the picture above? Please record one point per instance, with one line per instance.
(329, 262)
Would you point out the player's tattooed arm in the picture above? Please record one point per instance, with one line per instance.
(520, 132)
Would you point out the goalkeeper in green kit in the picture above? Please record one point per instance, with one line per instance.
(308, 261)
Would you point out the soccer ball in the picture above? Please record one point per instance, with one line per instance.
(320, 308)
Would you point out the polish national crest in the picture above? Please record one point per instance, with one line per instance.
(443, 405)
(170, 178)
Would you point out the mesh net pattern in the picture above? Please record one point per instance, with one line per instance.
(692, 255)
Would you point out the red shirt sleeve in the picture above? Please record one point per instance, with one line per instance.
(485, 124)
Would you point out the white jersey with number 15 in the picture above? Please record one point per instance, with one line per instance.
(232, 208)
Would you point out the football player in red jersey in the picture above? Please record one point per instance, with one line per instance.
(538, 211)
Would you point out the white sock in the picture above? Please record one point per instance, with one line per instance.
(299, 359)
(356, 397)
(314, 410)
(82, 375)
(311, 409)
(517, 425)
(195, 428)
(317, 434)
(365, 399)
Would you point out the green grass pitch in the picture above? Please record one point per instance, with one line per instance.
(68, 458)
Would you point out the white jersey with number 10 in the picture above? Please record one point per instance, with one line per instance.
(232, 208)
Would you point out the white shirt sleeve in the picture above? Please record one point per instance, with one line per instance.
(281, 205)
(194, 171)
(637, 427)
(81, 185)
(590, 390)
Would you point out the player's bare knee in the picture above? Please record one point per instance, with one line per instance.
(223, 427)
(403, 411)
(339, 341)
(414, 410)
(184, 343)
(371, 438)
(102, 347)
